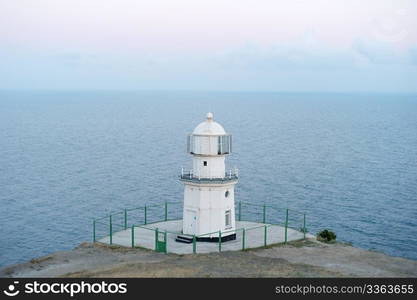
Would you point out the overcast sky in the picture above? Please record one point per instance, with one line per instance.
(279, 45)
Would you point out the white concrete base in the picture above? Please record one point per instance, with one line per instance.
(253, 237)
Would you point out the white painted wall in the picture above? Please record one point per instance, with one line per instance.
(210, 205)
(215, 166)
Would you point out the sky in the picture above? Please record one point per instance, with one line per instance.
(230, 45)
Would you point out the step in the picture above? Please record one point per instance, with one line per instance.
(184, 239)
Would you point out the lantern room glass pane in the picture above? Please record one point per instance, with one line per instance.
(224, 144)
(189, 143)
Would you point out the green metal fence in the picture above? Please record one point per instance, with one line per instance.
(134, 223)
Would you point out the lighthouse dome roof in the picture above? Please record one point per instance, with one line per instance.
(209, 127)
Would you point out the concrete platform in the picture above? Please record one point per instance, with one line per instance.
(254, 237)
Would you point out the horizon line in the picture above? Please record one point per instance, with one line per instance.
(204, 91)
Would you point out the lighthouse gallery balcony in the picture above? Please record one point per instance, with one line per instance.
(188, 176)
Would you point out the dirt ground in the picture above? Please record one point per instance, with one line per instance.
(298, 259)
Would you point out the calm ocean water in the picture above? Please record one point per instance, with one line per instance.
(349, 161)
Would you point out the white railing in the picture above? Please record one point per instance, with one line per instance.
(189, 174)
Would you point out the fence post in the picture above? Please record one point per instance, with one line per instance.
(94, 231)
(166, 211)
(133, 236)
(156, 239)
(111, 231)
(265, 234)
(145, 216)
(264, 215)
(125, 218)
(304, 226)
(220, 241)
(166, 243)
(243, 239)
(194, 244)
(286, 226)
(240, 210)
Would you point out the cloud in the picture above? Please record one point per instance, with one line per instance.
(307, 64)
(377, 52)
(309, 53)
(412, 55)
(304, 64)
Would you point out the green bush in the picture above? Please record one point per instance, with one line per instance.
(326, 236)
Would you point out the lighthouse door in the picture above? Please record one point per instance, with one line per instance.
(192, 221)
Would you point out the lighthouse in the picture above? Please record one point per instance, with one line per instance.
(208, 208)
(209, 204)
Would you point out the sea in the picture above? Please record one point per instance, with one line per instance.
(349, 161)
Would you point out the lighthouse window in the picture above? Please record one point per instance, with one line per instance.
(226, 194)
(205, 163)
(228, 218)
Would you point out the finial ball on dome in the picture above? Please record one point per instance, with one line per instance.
(209, 127)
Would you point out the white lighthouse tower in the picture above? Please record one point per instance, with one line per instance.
(209, 207)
